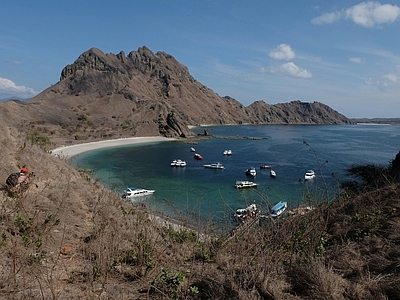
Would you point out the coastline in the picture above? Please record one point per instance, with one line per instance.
(70, 151)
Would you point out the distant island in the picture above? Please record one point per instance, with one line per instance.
(391, 121)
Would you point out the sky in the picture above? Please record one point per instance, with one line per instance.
(345, 54)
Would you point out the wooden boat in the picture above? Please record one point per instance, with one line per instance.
(278, 209)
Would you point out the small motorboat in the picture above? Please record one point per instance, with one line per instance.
(251, 172)
(310, 174)
(243, 213)
(244, 184)
(272, 173)
(192, 149)
(216, 165)
(133, 192)
(278, 209)
(265, 167)
(198, 156)
(178, 163)
(227, 152)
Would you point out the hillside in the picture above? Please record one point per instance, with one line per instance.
(113, 95)
(67, 237)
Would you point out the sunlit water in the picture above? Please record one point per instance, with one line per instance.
(198, 193)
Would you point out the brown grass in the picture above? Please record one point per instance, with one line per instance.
(69, 238)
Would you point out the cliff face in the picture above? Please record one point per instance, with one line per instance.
(111, 95)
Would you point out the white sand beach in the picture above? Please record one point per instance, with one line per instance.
(70, 151)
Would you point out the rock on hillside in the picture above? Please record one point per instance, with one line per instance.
(116, 95)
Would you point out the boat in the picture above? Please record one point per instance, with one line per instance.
(278, 209)
(251, 172)
(310, 174)
(244, 213)
(178, 163)
(272, 173)
(227, 152)
(243, 184)
(192, 149)
(216, 165)
(197, 156)
(132, 192)
(265, 167)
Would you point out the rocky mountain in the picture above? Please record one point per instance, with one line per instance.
(116, 95)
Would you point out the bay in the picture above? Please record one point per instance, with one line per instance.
(198, 195)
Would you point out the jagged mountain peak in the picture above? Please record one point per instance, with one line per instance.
(146, 93)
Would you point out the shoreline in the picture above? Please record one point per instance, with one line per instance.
(73, 150)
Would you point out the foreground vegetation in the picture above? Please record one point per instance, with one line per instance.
(69, 238)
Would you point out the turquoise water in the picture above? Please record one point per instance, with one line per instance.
(196, 193)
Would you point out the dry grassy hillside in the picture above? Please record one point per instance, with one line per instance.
(67, 237)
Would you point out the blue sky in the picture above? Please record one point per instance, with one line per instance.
(345, 54)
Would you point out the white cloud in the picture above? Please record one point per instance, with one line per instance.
(386, 81)
(282, 52)
(366, 14)
(9, 88)
(291, 70)
(326, 18)
(356, 60)
(14, 62)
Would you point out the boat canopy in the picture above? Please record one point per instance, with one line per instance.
(279, 206)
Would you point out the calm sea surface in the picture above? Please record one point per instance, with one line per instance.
(197, 193)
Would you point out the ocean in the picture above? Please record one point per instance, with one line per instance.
(197, 194)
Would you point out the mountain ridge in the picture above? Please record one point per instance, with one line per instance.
(140, 94)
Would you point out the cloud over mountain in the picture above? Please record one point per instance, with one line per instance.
(8, 89)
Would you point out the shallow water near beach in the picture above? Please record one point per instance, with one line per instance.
(198, 194)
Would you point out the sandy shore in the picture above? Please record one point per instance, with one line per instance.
(69, 151)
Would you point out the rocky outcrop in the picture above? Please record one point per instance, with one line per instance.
(296, 112)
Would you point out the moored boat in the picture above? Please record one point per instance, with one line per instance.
(310, 174)
(198, 156)
(278, 209)
(251, 172)
(132, 192)
(243, 213)
(272, 173)
(178, 163)
(192, 149)
(227, 152)
(216, 165)
(265, 167)
(243, 184)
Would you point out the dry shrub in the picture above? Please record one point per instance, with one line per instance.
(316, 281)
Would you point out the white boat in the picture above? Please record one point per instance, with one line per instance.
(192, 149)
(243, 213)
(272, 173)
(178, 163)
(132, 192)
(251, 172)
(243, 184)
(227, 152)
(310, 174)
(216, 165)
(278, 209)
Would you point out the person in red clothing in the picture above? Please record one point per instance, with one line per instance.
(19, 180)
(23, 176)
